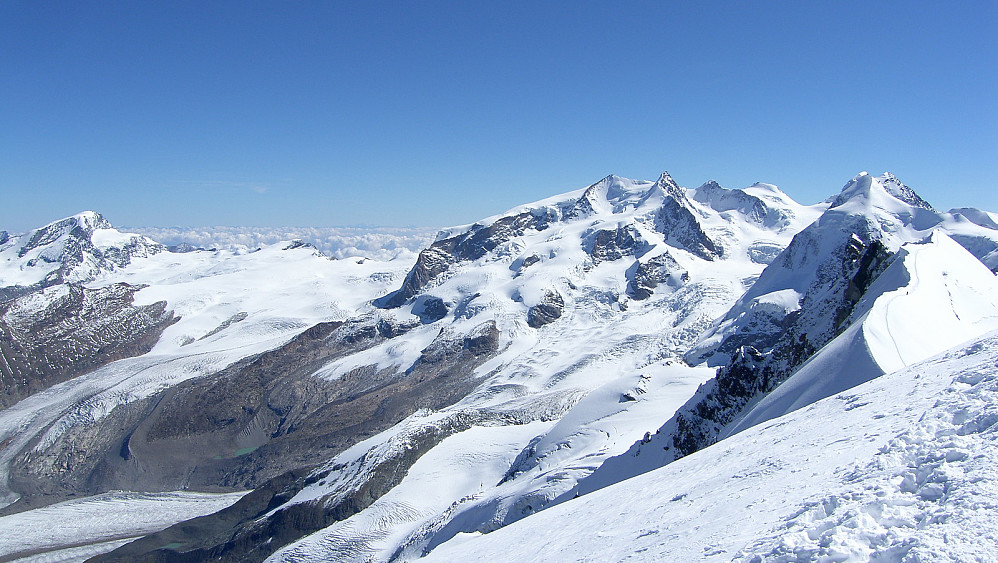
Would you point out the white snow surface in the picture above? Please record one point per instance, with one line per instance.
(80, 528)
(901, 468)
(607, 370)
(560, 399)
(934, 296)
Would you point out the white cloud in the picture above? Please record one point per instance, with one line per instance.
(382, 243)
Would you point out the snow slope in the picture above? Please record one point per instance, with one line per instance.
(932, 297)
(593, 299)
(902, 467)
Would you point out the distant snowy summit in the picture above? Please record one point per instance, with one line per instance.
(74, 249)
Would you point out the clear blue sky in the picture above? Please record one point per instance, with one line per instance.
(437, 113)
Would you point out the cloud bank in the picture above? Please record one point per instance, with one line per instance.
(380, 243)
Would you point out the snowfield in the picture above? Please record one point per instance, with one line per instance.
(901, 468)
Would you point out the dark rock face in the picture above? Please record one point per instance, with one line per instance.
(241, 533)
(752, 372)
(257, 419)
(483, 339)
(608, 245)
(679, 225)
(646, 276)
(547, 311)
(432, 309)
(74, 333)
(309, 419)
(478, 241)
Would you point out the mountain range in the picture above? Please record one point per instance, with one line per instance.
(633, 370)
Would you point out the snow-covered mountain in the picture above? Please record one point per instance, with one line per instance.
(386, 410)
(74, 249)
(852, 297)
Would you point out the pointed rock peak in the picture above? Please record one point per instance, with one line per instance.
(865, 186)
(669, 186)
(711, 185)
(900, 191)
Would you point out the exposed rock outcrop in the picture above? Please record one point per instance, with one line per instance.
(547, 311)
(647, 275)
(679, 225)
(55, 334)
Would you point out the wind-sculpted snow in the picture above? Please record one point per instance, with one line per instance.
(901, 468)
(376, 243)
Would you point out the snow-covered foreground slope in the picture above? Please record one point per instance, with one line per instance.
(77, 529)
(903, 467)
(932, 297)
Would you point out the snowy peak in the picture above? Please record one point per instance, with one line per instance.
(670, 187)
(763, 204)
(610, 219)
(75, 249)
(612, 194)
(81, 225)
(880, 191)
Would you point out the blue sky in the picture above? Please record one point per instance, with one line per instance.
(436, 113)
